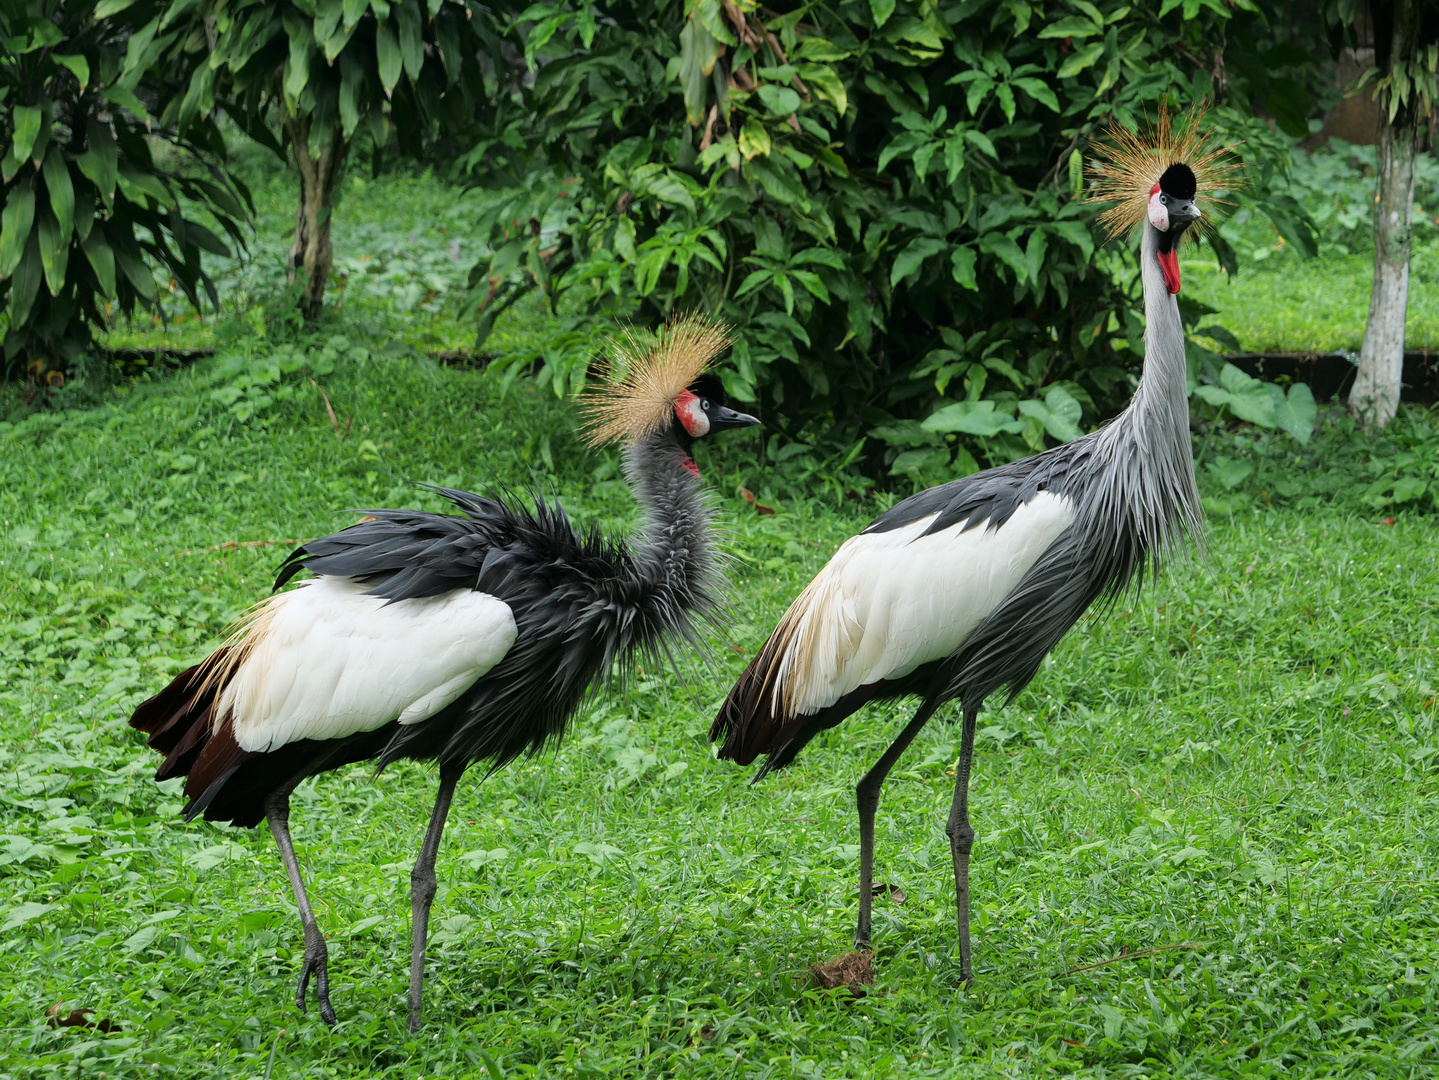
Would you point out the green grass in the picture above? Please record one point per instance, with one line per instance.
(1240, 768)
(1286, 304)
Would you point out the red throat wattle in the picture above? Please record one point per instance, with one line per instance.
(1169, 263)
(689, 464)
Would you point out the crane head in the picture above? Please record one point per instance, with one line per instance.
(1159, 176)
(700, 409)
(661, 382)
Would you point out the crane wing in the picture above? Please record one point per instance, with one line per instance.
(326, 660)
(890, 601)
(908, 590)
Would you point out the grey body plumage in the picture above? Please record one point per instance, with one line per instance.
(1132, 490)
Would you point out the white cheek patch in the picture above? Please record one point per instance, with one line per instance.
(692, 415)
(1158, 213)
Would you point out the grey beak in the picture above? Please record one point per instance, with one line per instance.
(1183, 213)
(724, 418)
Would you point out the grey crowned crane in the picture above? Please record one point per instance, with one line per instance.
(964, 588)
(454, 638)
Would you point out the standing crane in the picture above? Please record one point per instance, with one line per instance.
(966, 587)
(455, 638)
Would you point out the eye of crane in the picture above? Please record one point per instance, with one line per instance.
(1164, 199)
(705, 404)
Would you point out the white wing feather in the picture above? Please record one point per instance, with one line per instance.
(889, 602)
(329, 661)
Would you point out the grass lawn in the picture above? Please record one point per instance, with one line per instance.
(1233, 779)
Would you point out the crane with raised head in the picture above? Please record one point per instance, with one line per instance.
(455, 638)
(965, 588)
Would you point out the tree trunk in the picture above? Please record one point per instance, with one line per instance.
(311, 255)
(1375, 397)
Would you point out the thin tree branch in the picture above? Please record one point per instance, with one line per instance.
(1131, 956)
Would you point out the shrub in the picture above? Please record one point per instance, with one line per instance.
(88, 207)
(882, 196)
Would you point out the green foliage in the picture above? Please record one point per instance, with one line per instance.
(1263, 404)
(882, 198)
(407, 67)
(1242, 762)
(89, 211)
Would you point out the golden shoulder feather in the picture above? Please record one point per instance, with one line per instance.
(1131, 163)
(644, 373)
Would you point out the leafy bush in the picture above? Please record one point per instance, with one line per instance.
(318, 70)
(881, 196)
(88, 207)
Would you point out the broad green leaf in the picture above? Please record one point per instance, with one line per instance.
(904, 143)
(25, 284)
(1297, 413)
(54, 250)
(711, 15)
(1076, 174)
(1039, 90)
(754, 140)
(980, 141)
(27, 120)
(105, 8)
(100, 161)
(387, 55)
(17, 220)
(78, 66)
(912, 257)
(1076, 232)
(698, 53)
(1081, 59)
(780, 100)
(823, 82)
(381, 8)
(352, 82)
(335, 44)
(962, 267)
(881, 10)
(137, 273)
(777, 179)
(1007, 251)
(1073, 26)
(123, 96)
(412, 44)
(1034, 254)
(21, 914)
(1059, 415)
(328, 14)
(302, 49)
(353, 9)
(102, 261)
(135, 183)
(972, 418)
(61, 190)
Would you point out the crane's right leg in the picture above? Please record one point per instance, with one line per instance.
(961, 841)
(277, 813)
(422, 888)
(866, 794)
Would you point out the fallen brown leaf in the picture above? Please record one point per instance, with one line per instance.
(882, 888)
(78, 1018)
(760, 508)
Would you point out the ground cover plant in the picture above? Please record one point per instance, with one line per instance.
(1231, 782)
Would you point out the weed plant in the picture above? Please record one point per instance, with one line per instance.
(1206, 831)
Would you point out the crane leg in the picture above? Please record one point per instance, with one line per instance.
(277, 813)
(866, 794)
(423, 885)
(961, 841)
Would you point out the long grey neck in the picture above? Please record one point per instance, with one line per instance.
(673, 558)
(1158, 463)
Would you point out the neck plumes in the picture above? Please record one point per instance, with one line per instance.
(1159, 489)
(673, 564)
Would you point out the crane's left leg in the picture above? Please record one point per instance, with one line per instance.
(866, 795)
(423, 885)
(961, 841)
(316, 962)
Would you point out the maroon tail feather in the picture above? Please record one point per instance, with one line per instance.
(751, 720)
(180, 723)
